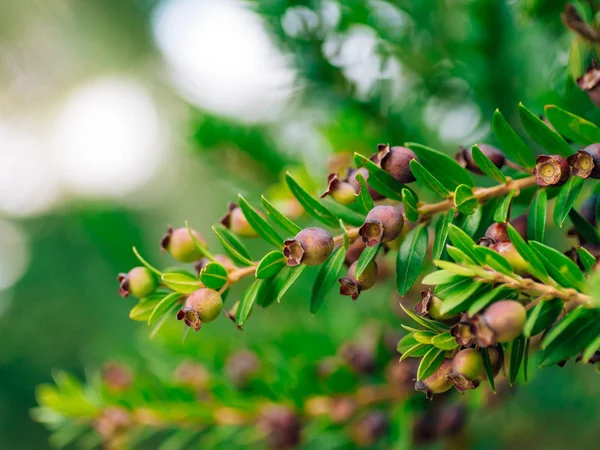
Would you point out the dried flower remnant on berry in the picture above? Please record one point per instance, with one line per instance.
(340, 190)
(236, 221)
(383, 223)
(582, 164)
(203, 305)
(430, 305)
(551, 170)
(396, 162)
(352, 286)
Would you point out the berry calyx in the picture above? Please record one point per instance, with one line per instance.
(311, 246)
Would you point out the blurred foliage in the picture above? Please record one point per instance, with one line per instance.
(484, 54)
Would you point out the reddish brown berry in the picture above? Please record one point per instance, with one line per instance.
(594, 151)
(510, 253)
(384, 223)
(370, 428)
(116, 377)
(351, 179)
(241, 367)
(396, 162)
(497, 232)
(520, 224)
(360, 359)
(551, 170)
(465, 157)
(437, 382)
(582, 164)
(192, 375)
(352, 286)
(341, 191)
(281, 426)
(430, 305)
(139, 282)
(181, 246)
(467, 369)
(354, 251)
(236, 221)
(203, 305)
(501, 322)
(311, 246)
(590, 82)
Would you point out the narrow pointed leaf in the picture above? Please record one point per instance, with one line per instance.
(379, 179)
(459, 256)
(584, 228)
(405, 343)
(590, 350)
(571, 126)
(291, 275)
(424, 337)
(247, 302)
(411, 257)
(424, 322)
(327, 278)
(232, 245)
(535, 265)
(164, 315)
(345, 234)
(164, 305)
(432, 360)
(560, 267)
(180, 282)
(440, 277)
(460, 271)
(442, 166)
(146, 263)
(458, 300)
(365, 258)
(270, 265)
(510, 142)
(142, 310)
(536, 221)
(364, 198)
(503, 210)
(464, 200)
(566, 198)
(494, 259)
(416, 351)
(587, 259)
(542, 316)
(498, 293)
(279, 218)
(259, 224)
(543, 134)
(516, 351)
(441, 233)
(487, 166)
(214, 276)
(344, 212)
(489, 371)
(311, 205)
(411, 207)
(426, 178)
(444, 341)
(463, 242)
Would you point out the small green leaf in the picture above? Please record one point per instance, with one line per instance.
(503, 209)
(461, 297)
(463, 242)
(526, 360)
(535, 265)
(259, 224)
(425, 323)
(440, 277)
(247, 302)
(180, 282)
(164, 305)
(442, 166)
(142, 310)
(444, 341)
(580, 53)
(364, 198)
(516, 351)
(279, 218)
(405, 343)
(365, 258)
(458, 255)
(464, 200)
(494, 259)
(426, 178)
(291, 274)
(489, 371)
(584, 228)
(542, 316)
(270, 265)
(469, 223)
(536, 221)
(570, 336)
(487, 166)
(345, 234)
(232, 245)
(416, 351)
(311, 205)
(560, 267)
(411, 258)
(344, 212)
(571, 126)
(379, 179)
(432, 360)
(411, 207)
(543, 134)
(456, 269)
(146, 263)
(566, 198)
(214, 276)
(326, 278)
(510, 142)
(424, 337)
(587, 259)
(441, 233)
(499, 292)
(591, 350)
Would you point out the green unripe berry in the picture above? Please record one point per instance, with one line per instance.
(512, 256)
(181, 246)
(437, 382)
(505, 319)
(342, 191)
(467, 369)
(139, 282)
(384, 223)
(203, 305)
(236, 221)
(352, 286)
(311, 246)
(430, 305)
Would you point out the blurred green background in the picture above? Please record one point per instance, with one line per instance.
(118, 117)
